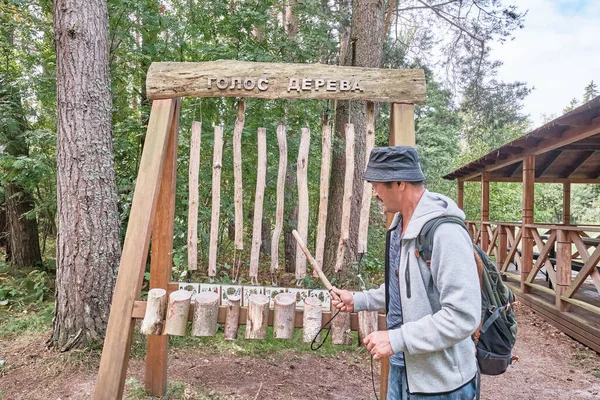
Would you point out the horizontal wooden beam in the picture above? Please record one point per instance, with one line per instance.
(228, 78)
(494, 178)
(572, 167)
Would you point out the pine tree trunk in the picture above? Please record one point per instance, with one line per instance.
(365, 48)
(88, 248)
(22, 232)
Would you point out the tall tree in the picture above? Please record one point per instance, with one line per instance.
(590, 91)
(88, 246)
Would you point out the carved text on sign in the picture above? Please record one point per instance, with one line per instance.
(297, 84)
(238, 83)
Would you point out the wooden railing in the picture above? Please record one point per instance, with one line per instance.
(553, 266)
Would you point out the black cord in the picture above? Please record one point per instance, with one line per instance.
(314, 341)
(373, 380)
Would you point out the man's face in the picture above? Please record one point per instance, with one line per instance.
(389, 195)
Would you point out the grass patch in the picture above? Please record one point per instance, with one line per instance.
(176, 390)
(31, 320)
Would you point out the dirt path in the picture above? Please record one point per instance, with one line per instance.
(552, 366)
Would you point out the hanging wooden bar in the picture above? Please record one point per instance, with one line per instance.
(237, 175)
(258, 317)
(311, 319)
(206, 311)
(177, 313)
(324, 192)
(282, 141)
(216, 201)
(232, 318)
(155, 312)
(367, 323)
(193, 196)
(347, 202)
(284, 316)
(302, 170)
(261, 176)
(363, 230)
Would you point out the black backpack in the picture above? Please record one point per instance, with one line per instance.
(496, 336)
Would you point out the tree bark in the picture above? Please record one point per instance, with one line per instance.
(364, 49)
(22, 232)
(88, 248)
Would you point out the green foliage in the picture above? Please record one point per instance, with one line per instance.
(21, 288)
(17, 321)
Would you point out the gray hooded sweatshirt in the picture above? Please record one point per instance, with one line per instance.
(441, 304)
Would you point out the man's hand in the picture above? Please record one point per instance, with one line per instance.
(378, 343)
(344, 301)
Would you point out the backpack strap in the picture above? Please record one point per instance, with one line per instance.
(424, 247)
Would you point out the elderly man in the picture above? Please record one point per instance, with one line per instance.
(432, 308)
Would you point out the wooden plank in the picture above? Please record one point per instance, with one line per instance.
(543, 257)
(217, 165)
(589, 265)
(194, 169)
(513, 251)
(347, 202)
(323, 193)
(237, 175)
(572, 167)
(233, 78)
(302, 179)
(162, 258)
(367, 194)
(282, 144)
(402, 125)
(261, 179)
(540, 288)
(119, 332)
(582, 304)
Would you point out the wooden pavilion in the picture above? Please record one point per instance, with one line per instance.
(552, 268)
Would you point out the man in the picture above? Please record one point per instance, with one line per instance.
(432, 310)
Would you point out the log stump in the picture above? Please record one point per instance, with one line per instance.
(206, 311)
(312, 319)
(258, 317)
(285, 313)
(156, 308)
(178, 313)
(367, 323)
(341, 332)
(232, 319)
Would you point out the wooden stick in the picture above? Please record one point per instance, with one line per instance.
(216, 201)
(312, 261)
(261, 176)
(302, 200)
(193, 196)
(363, 230)
(284, 315)
(324, 192)
(347, 202)
(155, 312)
(177, 313)
(237, 175)
(232, 318)
(258, 317)
(311, 319)
(281, 140)
(206, 311)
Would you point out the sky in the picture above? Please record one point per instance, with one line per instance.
(557, 53)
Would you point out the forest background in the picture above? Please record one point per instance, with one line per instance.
(469, 112)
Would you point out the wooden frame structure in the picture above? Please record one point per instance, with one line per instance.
(565, 150)
(153, 206)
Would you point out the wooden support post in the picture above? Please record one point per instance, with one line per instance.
(193, 196)
(119, 332)
(527, 218)
(311, 319)
(261, 178)
(485, 210)
(232, 319)
(302, 178)
(566, 220)
(347, 202)
(324, 193)
(162, 260)
(237, 176)
(216, 201)
(284, 316)
(402, 133)
(502, 246)
(281, 140)
(563, 268)
(460, 196)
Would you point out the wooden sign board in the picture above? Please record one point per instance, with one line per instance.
(284, 81)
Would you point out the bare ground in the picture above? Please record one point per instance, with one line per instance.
(551, 366)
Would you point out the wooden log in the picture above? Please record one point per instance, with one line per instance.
(153, 321)
(281, 140)
(302, 170)
(261, 176)
(206, 311)
(324, 193)
(258, 317)
(347, 202)
(193, 196)
(312, 318)
(365, 207)
(272, 81)
(367, 323)
(237, 175)
(233, 317)
(177, 313)
(285, 312)
(216, 201)
(341, 332)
